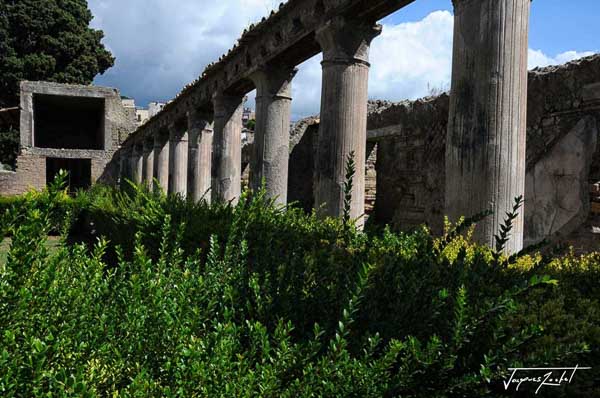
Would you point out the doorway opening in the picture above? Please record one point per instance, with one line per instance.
(79, 172)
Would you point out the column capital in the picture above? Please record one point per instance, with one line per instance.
(346, 41)
(274, 81)
(226, 104)
(126, 150)
(138, 147)
(199, 119)
(148, 141)
(177, 132)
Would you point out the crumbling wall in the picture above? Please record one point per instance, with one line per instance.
(410, 162)
(563, 154)
(303, 147)
(406, 157)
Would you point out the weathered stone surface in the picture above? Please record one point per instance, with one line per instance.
(272, 131)
(137, 163)
(178, 137)
(227, 151)
(344, 95)
(148, 172)
(161, 159)
(31, 162)
(303, 145)
(200, 155)
(410, 164)
(557, 193)
(410, 136)
(485, 148)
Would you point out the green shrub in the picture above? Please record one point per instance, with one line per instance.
(256, 300)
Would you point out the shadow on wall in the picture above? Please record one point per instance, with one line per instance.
(563, 155)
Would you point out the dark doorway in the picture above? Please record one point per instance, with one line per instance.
(68, 122)
(79, 170)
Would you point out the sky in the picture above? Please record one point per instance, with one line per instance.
(162, 45)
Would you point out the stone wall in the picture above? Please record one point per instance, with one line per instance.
(563, 155)
(303, 147)
(30, 171)
(410, 162)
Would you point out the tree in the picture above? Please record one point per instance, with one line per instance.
(48, 40)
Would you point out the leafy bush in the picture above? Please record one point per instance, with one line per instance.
(54, 201)
(256, 300)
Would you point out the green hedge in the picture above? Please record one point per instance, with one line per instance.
(256, 300)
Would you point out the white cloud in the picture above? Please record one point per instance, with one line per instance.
(410, 57)
(406, 61)
(538, 59)
(161, 45)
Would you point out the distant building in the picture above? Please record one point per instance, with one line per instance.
(143, 114)
(247, 115)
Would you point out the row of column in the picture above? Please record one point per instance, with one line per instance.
(485, 156)
(176, 160)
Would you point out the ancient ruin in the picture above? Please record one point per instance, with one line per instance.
(69, 127)
(406, 148)
(342, 30)
(458, 154)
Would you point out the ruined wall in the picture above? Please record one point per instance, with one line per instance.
(30, 171)
(303, 147)
(563, 154)
(406, 157)
(410, 162)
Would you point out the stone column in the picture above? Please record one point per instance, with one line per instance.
(272, 132)
(227, 155)
(178, 136)
(137, 163)
(485, 144)
(343, 129)
(148, 162)
(161, 160)
(200, 155)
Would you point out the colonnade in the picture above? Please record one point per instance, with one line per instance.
(201, 151)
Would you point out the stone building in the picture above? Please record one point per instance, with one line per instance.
(70, 127)
(141, 114)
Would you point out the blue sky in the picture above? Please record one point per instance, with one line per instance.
(161, 45)
(556, 26)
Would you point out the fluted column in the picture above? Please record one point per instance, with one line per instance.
(178, 136)
(148, 174)
(272, 132)
(137, 163)
(200, 132)
(161, 160)
(343, 127)
(485, 145)
(227, 155)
